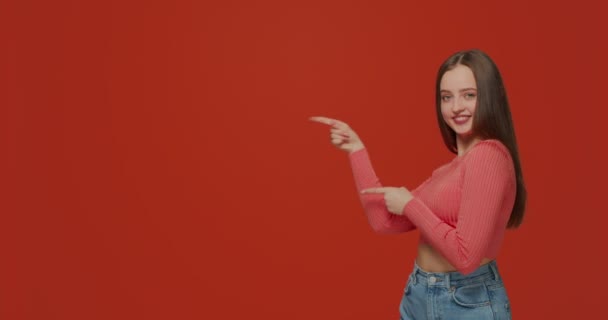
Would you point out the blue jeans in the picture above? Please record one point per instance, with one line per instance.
(451, 295)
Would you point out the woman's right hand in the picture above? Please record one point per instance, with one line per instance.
(341, 135)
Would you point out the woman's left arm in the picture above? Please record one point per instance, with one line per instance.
(487, 198)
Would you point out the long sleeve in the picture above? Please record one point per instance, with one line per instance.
(486, 200)
(380, 219)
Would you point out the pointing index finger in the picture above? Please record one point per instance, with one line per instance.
(374, 190)
(323, 120)
(328, 121)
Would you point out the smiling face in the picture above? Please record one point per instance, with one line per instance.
(458, 91)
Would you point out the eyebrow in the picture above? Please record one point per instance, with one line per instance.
(461, 90)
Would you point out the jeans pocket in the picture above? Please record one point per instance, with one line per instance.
(408, 285)
(500, 300)
(471, 296)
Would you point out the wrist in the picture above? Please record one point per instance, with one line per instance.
(356, 148)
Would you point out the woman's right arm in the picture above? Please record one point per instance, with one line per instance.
(380, 219)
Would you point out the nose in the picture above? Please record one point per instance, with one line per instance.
(457, 105)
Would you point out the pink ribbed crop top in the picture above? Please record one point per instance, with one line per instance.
(462, 210)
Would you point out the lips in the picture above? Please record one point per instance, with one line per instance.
(461, 119)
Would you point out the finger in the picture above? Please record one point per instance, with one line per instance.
(340, 132)
(323, 120)
(329, 121)
(339, 124)
(338, 136)
(374, 190)
(338, 139)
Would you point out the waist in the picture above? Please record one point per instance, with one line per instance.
(488, 271)
(432, 261)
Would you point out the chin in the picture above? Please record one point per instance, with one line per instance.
(464, 134)
(461, 131)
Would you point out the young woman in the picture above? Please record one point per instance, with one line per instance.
(463, 209)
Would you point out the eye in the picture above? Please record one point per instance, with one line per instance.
(469, 95)
(445, 98)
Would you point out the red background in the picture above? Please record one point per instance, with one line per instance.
(157, 161)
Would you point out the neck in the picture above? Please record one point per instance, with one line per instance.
(465, 143)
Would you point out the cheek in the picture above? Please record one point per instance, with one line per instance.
(445, 111)
(471, 105)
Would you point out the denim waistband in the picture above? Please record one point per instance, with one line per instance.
(455, 278)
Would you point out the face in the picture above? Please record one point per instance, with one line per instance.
(459, 99)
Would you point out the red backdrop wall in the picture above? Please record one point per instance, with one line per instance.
(157, 161)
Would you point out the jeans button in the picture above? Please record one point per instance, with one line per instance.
(432, 280)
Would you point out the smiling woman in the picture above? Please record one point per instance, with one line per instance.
(463, 209)
(458, 100)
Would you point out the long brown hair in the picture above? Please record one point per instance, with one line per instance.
(492, 117)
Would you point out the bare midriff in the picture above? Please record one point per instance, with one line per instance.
(432, 261)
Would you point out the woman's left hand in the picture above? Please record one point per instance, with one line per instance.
(395, 198)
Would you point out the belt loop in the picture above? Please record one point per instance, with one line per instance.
(494, 270)
(447, 280)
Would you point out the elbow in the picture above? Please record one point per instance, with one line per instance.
(378, 220)
(389, 228)
(383, 222)
(380, 228)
